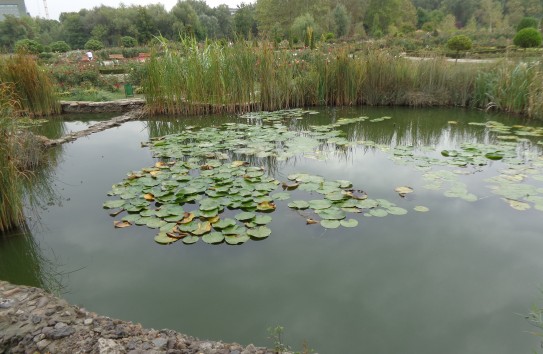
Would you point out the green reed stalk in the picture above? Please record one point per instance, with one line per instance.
(33, 86)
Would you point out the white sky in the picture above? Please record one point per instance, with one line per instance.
(37, 9)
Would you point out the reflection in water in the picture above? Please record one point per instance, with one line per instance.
(22, 262)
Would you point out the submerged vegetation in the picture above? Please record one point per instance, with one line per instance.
(213, 78)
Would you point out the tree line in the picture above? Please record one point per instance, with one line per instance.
(277, 20)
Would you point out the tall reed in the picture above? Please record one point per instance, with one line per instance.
(210, 78)
(11, 206)
(32, 84)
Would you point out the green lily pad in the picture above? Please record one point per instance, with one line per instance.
(113, 204)
(189, 240)
(320, 204)
(224, 223)
(330, 224)
(378, 212)
(349, 223)
(396, 211)
(245, 216)
(299, 204)
(213, 237)
(259, 232)
(331, 214)
(281, 196)
(262, 219)
(236, 239)
(164, 239)
(421, 209)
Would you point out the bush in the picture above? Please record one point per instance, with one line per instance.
(60, 47)
(527, 22)
(458, 43)
(528, 38)
(128, 42)
(28, 46)
(94, 44)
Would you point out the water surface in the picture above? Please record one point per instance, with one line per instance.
(453, 280)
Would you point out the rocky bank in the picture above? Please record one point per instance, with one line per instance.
(34, 321)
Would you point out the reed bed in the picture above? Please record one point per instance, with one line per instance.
(33, 87)
(11, 206)
(211, 78)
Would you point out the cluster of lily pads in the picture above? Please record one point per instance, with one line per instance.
(521, 165)
(202, 175)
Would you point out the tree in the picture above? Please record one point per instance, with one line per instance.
(342, 21)
(459, 43)
(301, 25)
(244, 20)
(527, 22)
(490, 14)
(60, 47)
(528, 38)
(94, 44)
(72, 28)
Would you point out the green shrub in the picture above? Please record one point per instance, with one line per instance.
(528, 38)
(128, 42)
(527, 22)
(94, 44)
(28, 46)
(459, 43)
(60, 47)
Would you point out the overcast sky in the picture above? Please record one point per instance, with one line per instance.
(36, 7)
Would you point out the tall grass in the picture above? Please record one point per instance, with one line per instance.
(210, 78)
(11, 206)
(32, 85)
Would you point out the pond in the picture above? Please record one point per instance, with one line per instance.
(453, 267)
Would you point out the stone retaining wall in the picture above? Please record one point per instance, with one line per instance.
(33, 321)
(123, 105)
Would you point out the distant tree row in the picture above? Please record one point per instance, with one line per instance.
(294, 20)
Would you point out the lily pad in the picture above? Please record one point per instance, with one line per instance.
(421, 209)
(330, 224)
(189, 240)
(213, 237)
(262, 219)
(259, 232)
(349, 223)
(320, 204)
(236, 239)
(245, 216)
(113, 204)
(299, 204)
(164, 239)
(224, 223)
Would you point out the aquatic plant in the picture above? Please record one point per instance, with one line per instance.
(32, 85)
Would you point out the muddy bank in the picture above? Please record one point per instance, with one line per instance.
(123, 105)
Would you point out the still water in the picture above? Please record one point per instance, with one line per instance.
(457, 279)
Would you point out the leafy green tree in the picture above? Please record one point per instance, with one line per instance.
(301, 25)
(128, 42)
(462, 10)
(224, 17)
(514, 10)
(490, 14)
(528, 38)
(459, 43)
(245, 21)
(342, 21)
(13, 29)
(94, 44)
(184, 13)
(60, 47)
(28, 46)
(527, 22)
(72, 28)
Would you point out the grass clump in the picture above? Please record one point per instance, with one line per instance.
(33, 88)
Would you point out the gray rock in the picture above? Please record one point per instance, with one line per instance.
(88, 321)
(36, 319)
(6, 303)
(160, 342)
(62, 332)
(60, 325)
(42, 344)
(109, 346)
